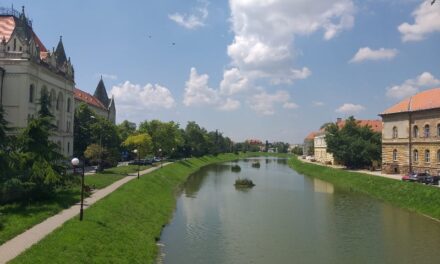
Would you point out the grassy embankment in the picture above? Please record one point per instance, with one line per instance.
(123, 227)
(412, 196)
(17, 217)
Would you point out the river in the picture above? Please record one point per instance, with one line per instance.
(289, 218)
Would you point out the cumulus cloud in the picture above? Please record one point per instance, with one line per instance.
(148, 97)
(193, 20)
(348, 108)
(197, 91)
(426, 21)
(265, 30)
(412, 86)
(229, 105)
(233, 82)
(264, 103)
(366, 53)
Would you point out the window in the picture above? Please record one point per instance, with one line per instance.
(15, 44)
(438, 155)
(438, 130)
(59, 101)
(416, 131)
(427, 158)
(395, 133)
(68, 126)
(68, 105)
(68, 147)
(416, 155)
(426, 131)
(395, 155)
(31, 93)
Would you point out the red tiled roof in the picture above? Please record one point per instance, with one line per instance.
(312, 135)
(7, 27)
(428, 99)
(376, 125)
(88, 98)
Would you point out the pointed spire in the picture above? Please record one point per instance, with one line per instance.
(101, 93)
(61, 54)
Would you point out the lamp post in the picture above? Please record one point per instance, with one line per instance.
(138, 161)
(100, 146)
(75, 162)
(160, 156)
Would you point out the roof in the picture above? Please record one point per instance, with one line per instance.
(88, 99)
(428, 99)
(312, 135)
(7, 27)
(101, 93)
(376, 125)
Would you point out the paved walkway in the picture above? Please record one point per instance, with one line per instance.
(20, 243)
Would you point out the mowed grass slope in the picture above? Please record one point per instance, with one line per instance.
(123, 227)
(413, 196)
(18, 217)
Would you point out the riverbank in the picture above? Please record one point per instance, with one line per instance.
(123, 227)
(419, 198)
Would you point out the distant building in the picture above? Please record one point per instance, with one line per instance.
(308, 146)
(26, 69)
(411, 134)
(99, 102)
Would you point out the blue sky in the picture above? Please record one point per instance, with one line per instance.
(261, 69)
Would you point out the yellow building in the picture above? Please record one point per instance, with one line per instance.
(411, 134)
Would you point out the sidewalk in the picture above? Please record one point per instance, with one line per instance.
(20, 243)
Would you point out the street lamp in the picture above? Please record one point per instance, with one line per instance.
(138, 162)
(75, 162)
(160, 156)
(100, 146)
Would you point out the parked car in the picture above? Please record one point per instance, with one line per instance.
(416, 177)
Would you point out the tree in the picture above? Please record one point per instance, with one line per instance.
(165, 135)
(4, 142)
(353, 145)
(297, 150)
(142, 142)
(126, 129)
(82, 131)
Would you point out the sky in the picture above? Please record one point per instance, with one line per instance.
(265, 69)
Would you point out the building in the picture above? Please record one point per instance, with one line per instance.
(320, 145)
(411, 134)
(27, 68)
(308, 146)
(99, 102)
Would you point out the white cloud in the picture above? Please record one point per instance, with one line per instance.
(348, 108)
(317, 103)
(426, 21)
(366, 53)
(412, 86)
(264, 103)
(197, 91)
(195, 19)
(107, 76)
(230, 105)
(265, 30)
(233, 82)
(148, 97)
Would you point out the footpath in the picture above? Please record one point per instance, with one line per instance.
(20, 243)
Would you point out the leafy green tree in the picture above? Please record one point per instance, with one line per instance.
(165, 136)
(142, 142)
(352, 145)
(297, 151)
(126, 129)
(82, 129)
(4, 145)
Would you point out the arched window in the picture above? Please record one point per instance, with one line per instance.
(426, 131)
(59, 101)
(438, 155)
(53, 98)
(395, 132)
(395, 155)
(416, 155)
(438, 130)
(68, 105)
(427, 156)
(31, 93)
(416, 131)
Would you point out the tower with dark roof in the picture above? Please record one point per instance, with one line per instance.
(101, 93)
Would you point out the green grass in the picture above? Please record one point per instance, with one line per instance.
(412, 196)
(123, 227)
(17, 218)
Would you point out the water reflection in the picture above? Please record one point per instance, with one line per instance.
(322, 186)
(289, 218)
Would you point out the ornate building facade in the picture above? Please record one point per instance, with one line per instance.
(99, 102)
(411, 134)
(26, 69)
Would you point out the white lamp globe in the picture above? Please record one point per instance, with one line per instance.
(135, 151)
(75, 161)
